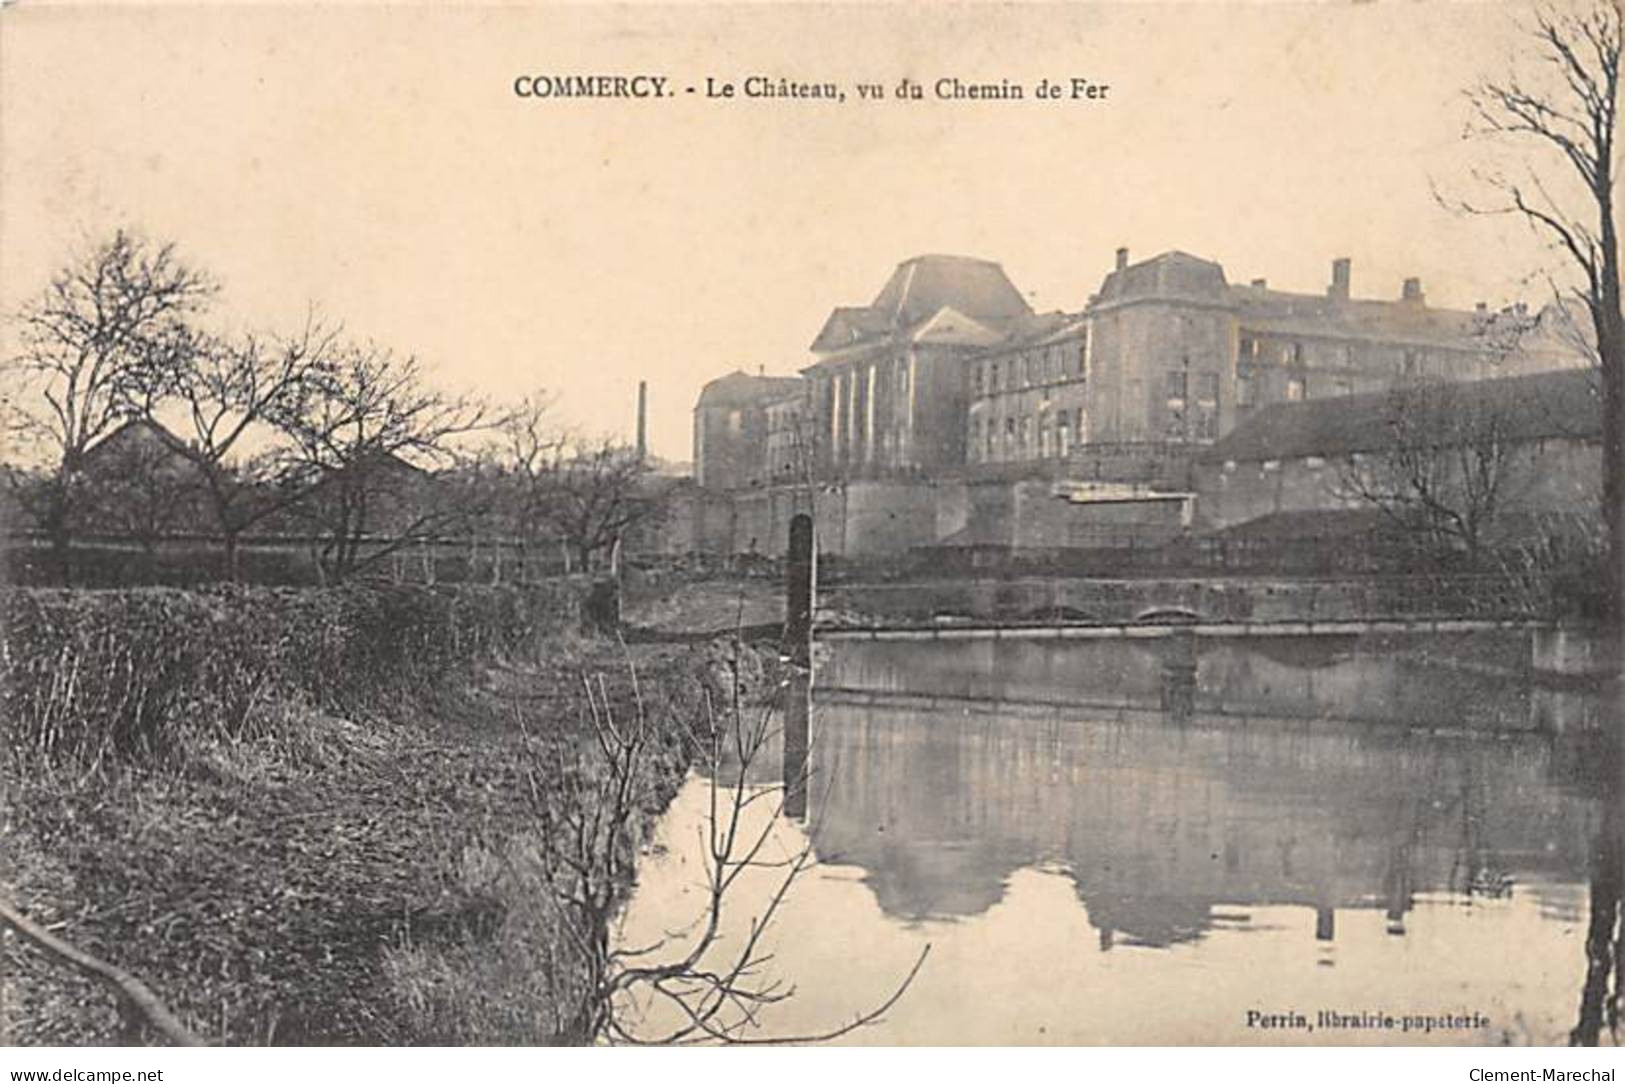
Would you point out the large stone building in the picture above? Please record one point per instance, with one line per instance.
(1028, 394)
(738, 418)
(1169, 353)
(948, 386)
(888, 390)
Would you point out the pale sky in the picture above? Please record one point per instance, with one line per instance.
(377, 163)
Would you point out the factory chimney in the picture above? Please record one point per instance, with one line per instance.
(1122, 258)
(643, 420)
(1339, 289)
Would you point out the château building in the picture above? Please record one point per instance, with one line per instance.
(737, 419)
(966, 414)
(888, 388)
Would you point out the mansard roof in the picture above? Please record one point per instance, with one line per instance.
(849, 325)
(739, 388)
(1181, 277)
(1551, 329)
(917, 291)
(1169, 276)
(921, 286)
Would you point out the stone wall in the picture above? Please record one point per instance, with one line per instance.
(1546, 477)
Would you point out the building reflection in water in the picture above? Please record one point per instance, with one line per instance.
(1179, 782)
(1359, 779)
(1183, 810)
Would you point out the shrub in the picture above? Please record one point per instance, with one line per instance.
(86, 675)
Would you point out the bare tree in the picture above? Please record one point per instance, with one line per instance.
(365, 429)
(1602, 991)
(713, 988)
(593, 493)
(1443, 472)
(528, 454)
(1562, 106)
(103, 343)
(139, 483)
(231, 392)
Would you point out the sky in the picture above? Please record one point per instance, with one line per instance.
(376, 163)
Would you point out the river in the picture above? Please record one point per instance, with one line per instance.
(1315, 840)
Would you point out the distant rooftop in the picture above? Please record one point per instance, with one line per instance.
(1335, 312)
(918, 290)
(1171, 275)
(739, 388)
(1562, 404)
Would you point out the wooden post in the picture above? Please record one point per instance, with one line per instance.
(797, 727)
(801, 576)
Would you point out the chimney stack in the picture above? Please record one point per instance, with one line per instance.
(1122, 258)
(643, 419)
(1261, 284)
(1339, 289)
(1411, 291)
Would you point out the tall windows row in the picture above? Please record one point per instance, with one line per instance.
(1056, 363)
(1048, 434)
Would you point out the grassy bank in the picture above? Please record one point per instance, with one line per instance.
(309, 817)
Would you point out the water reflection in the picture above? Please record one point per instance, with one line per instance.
(1470, 680)
(1418, 823)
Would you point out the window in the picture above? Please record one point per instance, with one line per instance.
(1083, 356)
(1063, 434)
(1246, 358)
(1044, 423)
(1207, 423)
(1294, 353)
(1207, 387)
(993, 380)
(1244, 392)
(1080, 432)
(1294, 390)
(1174, 428)
(1026, 435)
(1176, 384)
(1409, 364)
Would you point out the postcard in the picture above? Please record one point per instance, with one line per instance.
(892, 524)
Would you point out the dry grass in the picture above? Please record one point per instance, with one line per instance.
(302, 873)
